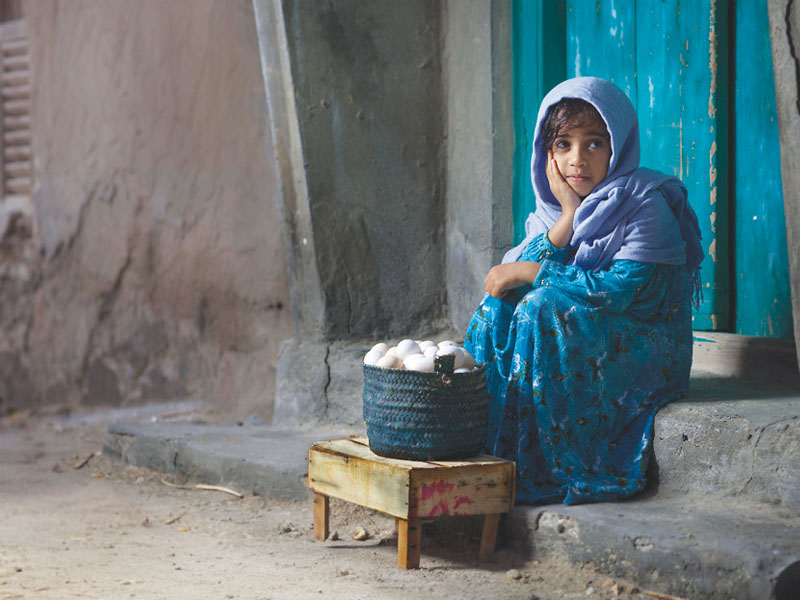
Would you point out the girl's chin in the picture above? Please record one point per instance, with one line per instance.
(582, 190)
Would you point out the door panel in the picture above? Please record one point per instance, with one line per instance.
(673, 61)
(763, 297)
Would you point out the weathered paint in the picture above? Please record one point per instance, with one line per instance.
(672, 74)
(684, 129)
(538, 48)
(762, 288)
(682, 118)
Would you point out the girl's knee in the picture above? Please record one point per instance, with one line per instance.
(491, 308)
(541, 296)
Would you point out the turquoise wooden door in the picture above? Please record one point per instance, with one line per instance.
(700, 75)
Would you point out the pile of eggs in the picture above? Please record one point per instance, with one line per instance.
(414, 355)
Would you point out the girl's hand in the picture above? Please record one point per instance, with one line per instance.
(566, 196)
(502, 278)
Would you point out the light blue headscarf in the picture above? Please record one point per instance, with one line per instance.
(622, 218)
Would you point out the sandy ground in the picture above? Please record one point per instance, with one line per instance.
(108, 530)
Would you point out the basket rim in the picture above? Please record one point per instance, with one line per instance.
(479, 367)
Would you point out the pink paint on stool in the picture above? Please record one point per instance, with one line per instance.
(439, 487)
(442, 508)
(462, 500)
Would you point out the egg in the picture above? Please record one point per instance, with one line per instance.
(418, 362)
(391, 351)
(469, 360)
(446, 343)
(430, 351)
(456, 352)
(426, 344)
(407, 347)
(372, 357)
(388, 362)
(381, 347)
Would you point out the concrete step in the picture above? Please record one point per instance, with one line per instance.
(731, 439)
(264, 460)
(688, 546)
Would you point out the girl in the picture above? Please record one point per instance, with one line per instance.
(586, 327)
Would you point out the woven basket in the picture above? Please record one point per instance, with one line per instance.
(426, 416)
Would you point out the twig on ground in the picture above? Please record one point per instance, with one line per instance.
(175, 485)
(659, 595)
(172, 520)
(204, 486)
(84, 461)
(219, 488)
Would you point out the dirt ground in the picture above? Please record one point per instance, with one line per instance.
(108, 530)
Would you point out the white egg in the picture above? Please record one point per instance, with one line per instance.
(469, 360)
(391, 351)
(407, 347)
(372, 357)
(460, 358)
(418, 362)
(381, 347)
(426, 344)
(413, 354)
(388, 362)
(430, 351)
(456, 352)
(409, 362)
(425, 364)
(446, 343)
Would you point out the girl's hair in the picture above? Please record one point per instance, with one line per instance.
(566, 114)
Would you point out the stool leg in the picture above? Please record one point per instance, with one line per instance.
(409, 542)
(489, 536)
(321, 514)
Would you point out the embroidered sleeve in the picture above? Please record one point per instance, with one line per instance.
(614, 288)
(541, 249)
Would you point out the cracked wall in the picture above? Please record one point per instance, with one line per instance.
(367, 89)
(162, 272)
(784, 21)
(357, 90)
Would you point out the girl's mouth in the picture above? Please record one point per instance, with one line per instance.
(578, 178)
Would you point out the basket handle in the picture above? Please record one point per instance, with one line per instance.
(445, 365)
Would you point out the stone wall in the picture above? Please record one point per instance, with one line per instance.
(162, 272)
(361, 85)
(784, 24)
(355, 93)
(480, 147)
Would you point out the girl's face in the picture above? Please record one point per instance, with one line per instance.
(582, 155)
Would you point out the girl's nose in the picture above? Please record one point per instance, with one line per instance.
(577, 157)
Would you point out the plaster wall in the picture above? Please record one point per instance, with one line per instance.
(366, 81)
(162, 270)
(354, 91)
(784, 21)
(480, 147)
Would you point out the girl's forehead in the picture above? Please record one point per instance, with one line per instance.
(593, 127)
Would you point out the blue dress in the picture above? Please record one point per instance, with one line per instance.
(577, 366)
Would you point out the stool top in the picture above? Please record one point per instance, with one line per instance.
(358, 447)
(348, 469)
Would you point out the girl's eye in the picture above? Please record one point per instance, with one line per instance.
(596, 144)
(562, 145)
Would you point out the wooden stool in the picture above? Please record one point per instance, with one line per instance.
(409, 490)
